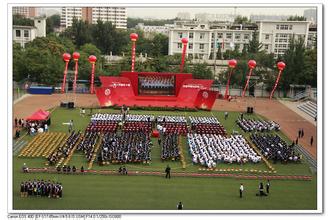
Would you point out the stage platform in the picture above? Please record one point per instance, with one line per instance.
(124, 90)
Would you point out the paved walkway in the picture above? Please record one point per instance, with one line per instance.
(178, 174)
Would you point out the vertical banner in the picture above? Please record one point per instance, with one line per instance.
(280, 66)
(252, 64)
(232, 65)
(76, 57)
(184, 49)
(66, 58)
(92, 60)
(134, 38)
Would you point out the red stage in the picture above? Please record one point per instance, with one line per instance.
(152, 89)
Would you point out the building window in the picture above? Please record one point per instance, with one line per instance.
(246, 36)
(237, 36)
(212, 36)
(190, 46)
(26, 33)
(202, 36)
(266, 47)
(201, 46)
(191, 35)
(267, 37)
(18, 33)
(180, 34)
(228, 35)
(220, 35)
(290, 27)
(179, 45)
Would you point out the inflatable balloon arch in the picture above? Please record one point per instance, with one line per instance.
(134, 37)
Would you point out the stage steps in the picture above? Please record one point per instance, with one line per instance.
(309, 108)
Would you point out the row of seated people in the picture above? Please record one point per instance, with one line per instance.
(140, 118)
(210, 149)
(173, 119)
(87, 144)
(106, 117)
(64, 150)
(173, 128)
(249, 125)
(102, 126)
(169, 147)
(155, 82)
(208, 129)
(133, 126)
(203, 120)
(125, 147)
(274, 148)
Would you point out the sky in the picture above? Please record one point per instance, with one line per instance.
(163, 13)
(168, 13)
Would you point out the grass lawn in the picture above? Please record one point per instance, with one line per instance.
(155, 193)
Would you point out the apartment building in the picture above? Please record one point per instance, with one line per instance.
(116, 15)
(275, 35)
(28, 12)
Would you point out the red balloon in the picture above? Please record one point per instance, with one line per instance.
(66, 57)
(232, 63)
(252, 64)
(76, 56)
(184, 40)
(133, 36)
(92, 59)
(281, 65)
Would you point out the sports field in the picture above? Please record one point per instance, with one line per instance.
(139, 192)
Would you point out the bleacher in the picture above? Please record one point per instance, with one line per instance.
(309, 108)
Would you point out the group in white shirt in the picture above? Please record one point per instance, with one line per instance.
(210, 149)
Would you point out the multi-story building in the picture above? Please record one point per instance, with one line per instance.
(205, 39)
(150, 30)
(312, 36)
(255, 18)
(68, 14)
(25, 34)
(183, 15)
(28, 12)
(275, 35)
(116, 15)
(205, 17)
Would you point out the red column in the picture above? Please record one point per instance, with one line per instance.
(280, 66)
(252, 64)
(76, 57)
(184, 49)
(92, 60)
(134, 38)
(232, 64)
(66, 58)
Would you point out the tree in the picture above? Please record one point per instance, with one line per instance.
(79, 32)
(201, 71)
(21, 20)
(52, 22)
(254, 45)
(296, 18)
(241, 20)
(159, 45)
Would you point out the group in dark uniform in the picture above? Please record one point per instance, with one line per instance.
(87, 144)
(41, 188)
(169, 147)
(274, 148)
(125, 147)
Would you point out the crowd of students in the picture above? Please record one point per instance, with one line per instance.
(169, 147)
(64, 150)
(249, 125)
(274, 148)
(210, 149)
(41, 188)
(125, 147)
(106, 117)
(87, 144)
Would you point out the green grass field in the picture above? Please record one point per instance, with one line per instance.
(157, 193)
